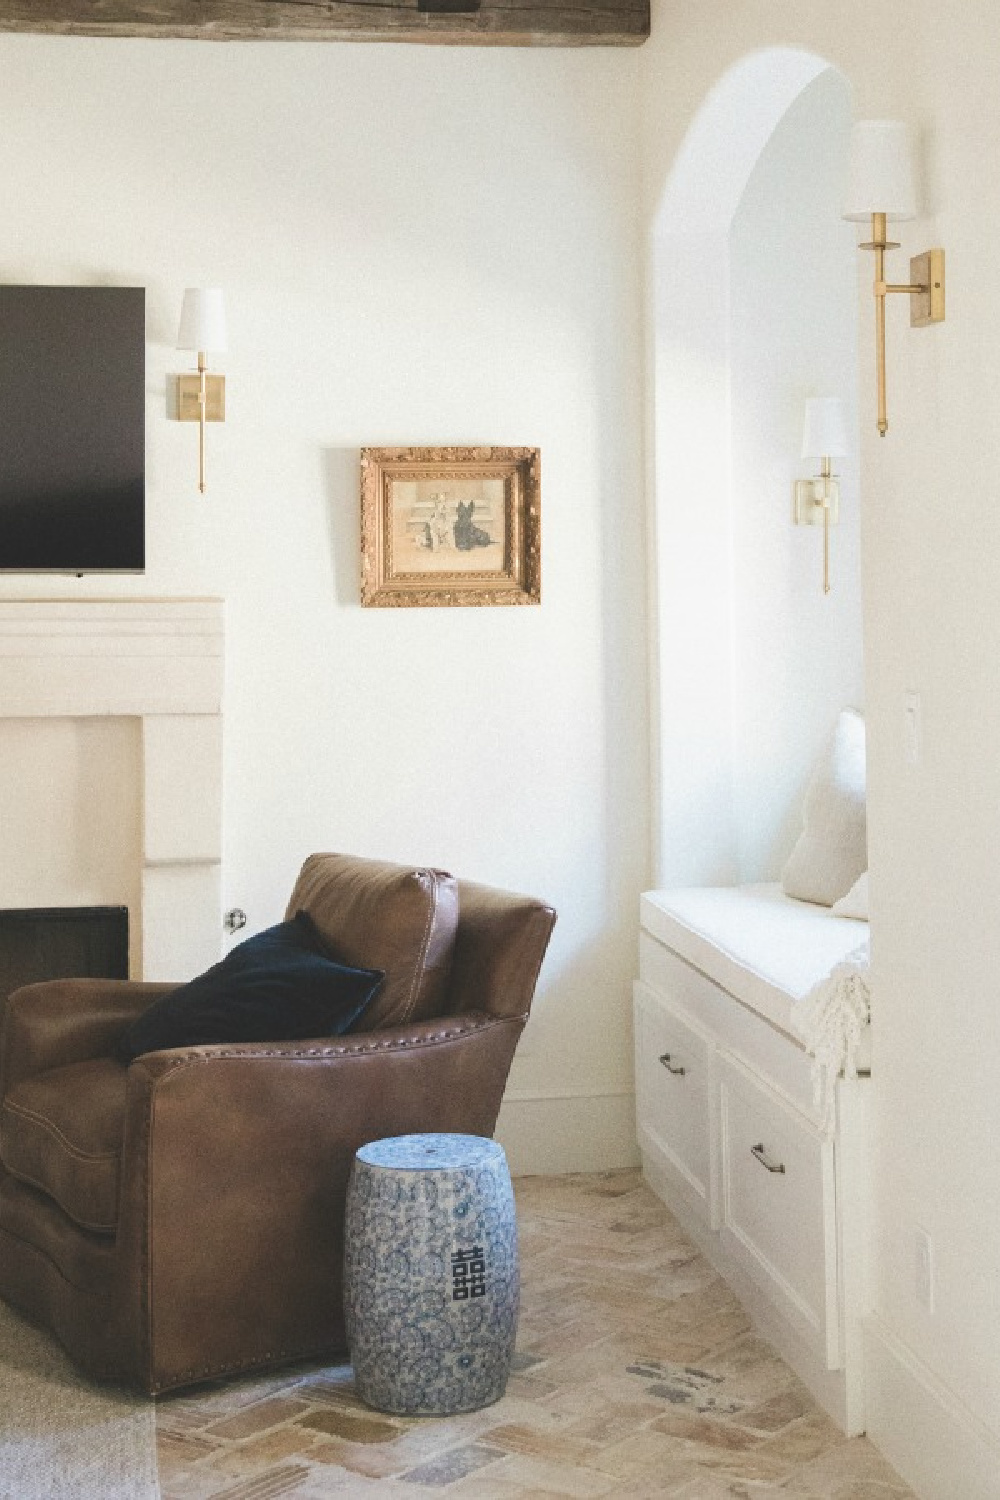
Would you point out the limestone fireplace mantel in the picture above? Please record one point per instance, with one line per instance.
(161, 661)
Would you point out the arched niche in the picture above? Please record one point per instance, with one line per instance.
(752, 661)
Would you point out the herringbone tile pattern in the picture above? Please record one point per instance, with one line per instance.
(637, 1375)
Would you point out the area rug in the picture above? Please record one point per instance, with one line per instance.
(61, 1437)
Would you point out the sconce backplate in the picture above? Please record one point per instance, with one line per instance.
(927, 270)
(187, 398)
(807, 503)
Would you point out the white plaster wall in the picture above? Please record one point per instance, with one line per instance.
(417, 246)
(691, 562)
(931, 574)
(793, 314)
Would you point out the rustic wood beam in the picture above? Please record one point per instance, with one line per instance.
(555, 23)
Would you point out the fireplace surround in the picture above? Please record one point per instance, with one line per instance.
(160, 661)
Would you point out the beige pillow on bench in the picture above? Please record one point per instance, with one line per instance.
(832, 849)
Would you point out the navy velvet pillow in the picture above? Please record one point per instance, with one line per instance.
(279, 986)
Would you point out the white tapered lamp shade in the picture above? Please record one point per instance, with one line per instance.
(880, 172)
(825, 432)
(203, 320)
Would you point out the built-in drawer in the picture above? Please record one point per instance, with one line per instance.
(779, 1205)
(674, 1096)
(733, 1025)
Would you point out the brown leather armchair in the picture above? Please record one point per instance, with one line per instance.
(181, 1218)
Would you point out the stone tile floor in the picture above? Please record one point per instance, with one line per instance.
(637, 1374)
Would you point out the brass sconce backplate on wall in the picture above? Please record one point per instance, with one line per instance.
(189, 399)
(813, 500)
(927, 303)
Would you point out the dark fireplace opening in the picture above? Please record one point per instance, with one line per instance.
(62, 942)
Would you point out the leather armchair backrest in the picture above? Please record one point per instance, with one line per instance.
(448, 945)
(499, 947)
(385, 916)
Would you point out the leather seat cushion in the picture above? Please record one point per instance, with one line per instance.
(375, 915)
(61, 1131)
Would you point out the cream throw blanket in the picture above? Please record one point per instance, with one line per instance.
(830, 1020)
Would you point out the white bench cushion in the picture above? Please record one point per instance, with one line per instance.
(763, 947)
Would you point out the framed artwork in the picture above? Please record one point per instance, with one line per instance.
(444, 526)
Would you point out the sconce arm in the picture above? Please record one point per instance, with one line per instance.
(926, 299)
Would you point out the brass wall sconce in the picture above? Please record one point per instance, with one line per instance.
(201, 398)
(816, 502)
(880, 187)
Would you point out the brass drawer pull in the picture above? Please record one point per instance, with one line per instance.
(671, 1067)
(759, 1152)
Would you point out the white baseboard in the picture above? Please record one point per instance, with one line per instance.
(941, 1449)
(552, 1134)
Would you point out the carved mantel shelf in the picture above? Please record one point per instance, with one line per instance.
(129, 657)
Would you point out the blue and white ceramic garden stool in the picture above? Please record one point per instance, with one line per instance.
(431, 1277)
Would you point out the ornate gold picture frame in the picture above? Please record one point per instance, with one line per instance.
(444, 526)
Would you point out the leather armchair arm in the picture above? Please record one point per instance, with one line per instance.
(64, 1021)
(235, 1169)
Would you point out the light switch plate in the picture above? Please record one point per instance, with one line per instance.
(923, 1269)
(913, 728)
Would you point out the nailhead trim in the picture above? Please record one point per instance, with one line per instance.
(397, 1045)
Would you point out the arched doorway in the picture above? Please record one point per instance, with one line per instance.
(755, 307)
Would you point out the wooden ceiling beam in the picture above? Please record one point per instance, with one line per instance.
(553, 23)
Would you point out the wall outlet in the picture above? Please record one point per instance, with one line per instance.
(912, 728)
(923, 1268)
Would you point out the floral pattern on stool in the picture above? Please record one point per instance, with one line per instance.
(430, 1273)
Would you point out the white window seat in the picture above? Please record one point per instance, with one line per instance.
(756, 943)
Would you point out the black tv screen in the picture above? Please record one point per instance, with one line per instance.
(72, 428)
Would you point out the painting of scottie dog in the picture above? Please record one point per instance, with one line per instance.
(451, 527)
(467, 533)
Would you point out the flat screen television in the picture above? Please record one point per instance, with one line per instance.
(72, 429)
